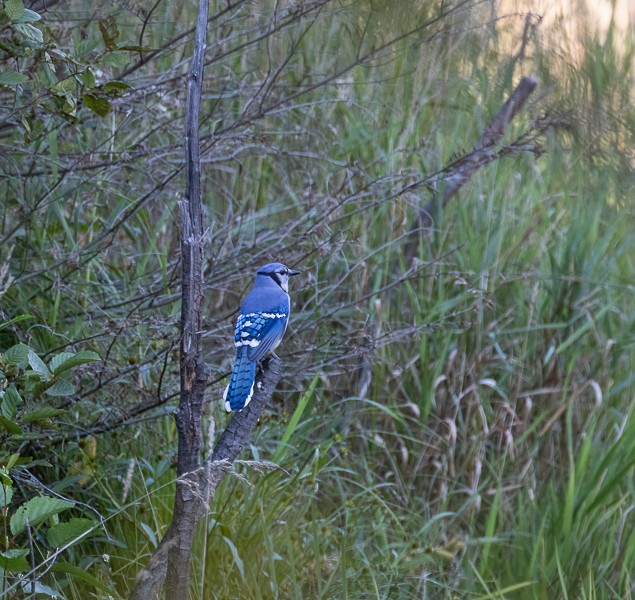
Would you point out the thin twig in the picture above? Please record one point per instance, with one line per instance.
(31, 556)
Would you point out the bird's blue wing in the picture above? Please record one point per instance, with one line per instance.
(269, 338)
(261, 332)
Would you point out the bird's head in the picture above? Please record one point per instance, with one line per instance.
(279, 273)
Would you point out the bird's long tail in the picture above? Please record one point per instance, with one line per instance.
(241, 385)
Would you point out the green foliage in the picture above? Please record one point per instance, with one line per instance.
(452, 424)
(26, 385)
(23, 375)
(61, 534)
(36, 511)
(51, 79)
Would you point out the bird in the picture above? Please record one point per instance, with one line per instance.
(260, 326)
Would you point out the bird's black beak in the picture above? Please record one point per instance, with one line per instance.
(292, 272)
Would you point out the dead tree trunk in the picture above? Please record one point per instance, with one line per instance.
(188, 502)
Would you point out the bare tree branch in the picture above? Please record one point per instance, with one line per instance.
(460, 171)
(239, 429)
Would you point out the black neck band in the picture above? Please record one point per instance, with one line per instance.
(272, 275)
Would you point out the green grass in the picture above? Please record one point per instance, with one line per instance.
(488, 453)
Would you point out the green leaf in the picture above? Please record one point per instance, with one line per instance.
(576, 335)
(29, 16)
(295, 419)
(115, 88)
(6, 494)
(88, 79)
(64, 87)
(17, 355)
(62, 387)
(14, 560)
(14, 9)
(41, 414)
(48, 61)
(237, 560)
(38, 365)
(98, 105)
(37, 510)
(81, 574)
(28, 463)
(13, 460)
(19, 317)
(30, 32)
(12, 78)
(4, 477)
(64, 105)
(10, 426)
(10, 402)
(67, 360)
(109, 32)
(149, 533)
(116, 59)
(58, 360)
(62, 533)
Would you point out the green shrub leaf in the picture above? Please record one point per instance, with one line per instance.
(88, 79)
(6, 494)
(62, 387)
(12, 78)
(58, 360)
(22, 79)
(81, 574)
(14, 9)
(17, 355)
(115, 88)
(10, 426)
(10, 402)
(67, 360)
(62, 533)
(41, 414)
(30, 32)
(29, 16)
(37, 510)
(43, 590)
(38, 365)
(109, 32)
(98, 105)
(4, 477)
(116, 59)
(14, 560)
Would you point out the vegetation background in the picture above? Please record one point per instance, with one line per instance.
(458, 423)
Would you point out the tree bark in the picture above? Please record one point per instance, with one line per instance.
(189, 501)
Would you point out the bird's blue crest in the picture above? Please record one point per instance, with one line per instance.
(270, 268)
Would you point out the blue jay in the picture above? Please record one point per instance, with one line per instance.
(261, 323)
